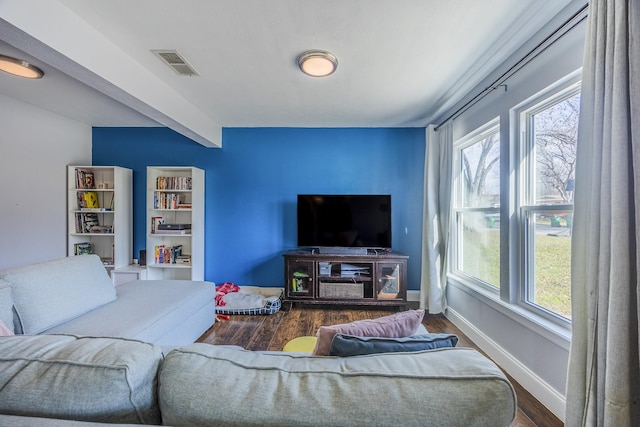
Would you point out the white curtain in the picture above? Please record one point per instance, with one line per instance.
(603, 386)
(437, 213)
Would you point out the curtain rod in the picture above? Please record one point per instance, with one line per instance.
(578, 17)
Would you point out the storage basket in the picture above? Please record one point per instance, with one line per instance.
(341, 290)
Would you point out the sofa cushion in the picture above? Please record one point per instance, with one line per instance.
(18, 421)
(397, 325)
(87, 379)
(344, 345)
(164, 312)
(6, 305)
(203, 384)
(52, 292)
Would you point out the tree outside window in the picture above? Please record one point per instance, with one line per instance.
(548, 210)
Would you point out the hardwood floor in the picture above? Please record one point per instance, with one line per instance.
(272, 332)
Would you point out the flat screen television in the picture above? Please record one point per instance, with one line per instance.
(344, 221)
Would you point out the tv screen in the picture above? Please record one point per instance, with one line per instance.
(352, 221)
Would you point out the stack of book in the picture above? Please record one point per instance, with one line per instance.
(173, 183)
(173, 229)
(169, 254)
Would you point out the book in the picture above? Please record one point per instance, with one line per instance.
(84, 178)
(89, 220)
(91, 200)
(83, 248)
(155, 222)
(174, 232)
(166, 226)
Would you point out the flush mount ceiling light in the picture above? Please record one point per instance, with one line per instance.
(19, 68)
(317, 63)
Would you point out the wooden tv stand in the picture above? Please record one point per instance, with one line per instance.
(377, 278)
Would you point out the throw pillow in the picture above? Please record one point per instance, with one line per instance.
(348, 345)
(4, 331)
(398, 325)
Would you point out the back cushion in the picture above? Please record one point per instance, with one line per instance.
(50, 293)
(88, 379)
(6, 305)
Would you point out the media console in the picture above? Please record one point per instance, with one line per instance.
(377, 278)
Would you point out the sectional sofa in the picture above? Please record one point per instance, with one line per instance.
(75, 295)
(58, 370)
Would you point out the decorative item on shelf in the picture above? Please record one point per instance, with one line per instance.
(84, 179)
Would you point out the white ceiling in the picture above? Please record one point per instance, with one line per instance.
(402, 63)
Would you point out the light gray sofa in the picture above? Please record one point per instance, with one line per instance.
(75, 295)
(74, 380)
(108, 380)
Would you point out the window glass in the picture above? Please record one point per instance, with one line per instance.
(477, 231)
(548, 219)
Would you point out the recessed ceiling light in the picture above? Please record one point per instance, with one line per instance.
(317, 63)
(19, 68)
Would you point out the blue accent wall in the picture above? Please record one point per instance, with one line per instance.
(252, 182)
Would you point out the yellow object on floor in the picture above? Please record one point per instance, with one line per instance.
(300, 345)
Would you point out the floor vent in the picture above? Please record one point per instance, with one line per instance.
(174, 60)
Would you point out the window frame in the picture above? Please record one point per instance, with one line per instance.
(524, 194)
(516, 216)
(458, 210)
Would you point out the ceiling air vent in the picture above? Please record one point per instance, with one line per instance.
(174, 60)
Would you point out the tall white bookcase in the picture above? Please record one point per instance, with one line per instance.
(175, 196)
(100, 213)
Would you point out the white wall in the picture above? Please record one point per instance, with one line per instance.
(533, 351)
(36, 145)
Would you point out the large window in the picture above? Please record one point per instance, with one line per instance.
(536, 209)
(476, 254)
(549, 129)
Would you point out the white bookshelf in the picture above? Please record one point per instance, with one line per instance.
(107, 224)
(179, 201)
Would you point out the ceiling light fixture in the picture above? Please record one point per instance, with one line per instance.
(19, 68)
(317, 63)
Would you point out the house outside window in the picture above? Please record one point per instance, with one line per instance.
(476, 253)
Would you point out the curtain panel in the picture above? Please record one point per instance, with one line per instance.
(603, 385)
(437, 214)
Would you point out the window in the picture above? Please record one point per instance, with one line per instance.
(549, 128)
(537, 183)
(476, 249)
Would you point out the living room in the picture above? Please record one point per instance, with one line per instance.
(251, 187)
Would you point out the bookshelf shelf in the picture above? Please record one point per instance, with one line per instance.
(93, 193)
(175, 195)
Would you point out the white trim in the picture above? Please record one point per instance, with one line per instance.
(413, 295)
(555, 333)
(542, 391)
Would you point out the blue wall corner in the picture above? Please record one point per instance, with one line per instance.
(252, 182)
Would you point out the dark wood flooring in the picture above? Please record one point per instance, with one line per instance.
(272, 332)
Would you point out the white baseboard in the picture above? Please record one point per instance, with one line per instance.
(542, 391)
(413, 295)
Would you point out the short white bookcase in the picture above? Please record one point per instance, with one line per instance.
(175, 196)
(99, 213)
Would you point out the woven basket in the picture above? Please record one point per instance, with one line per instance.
(341, 290)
